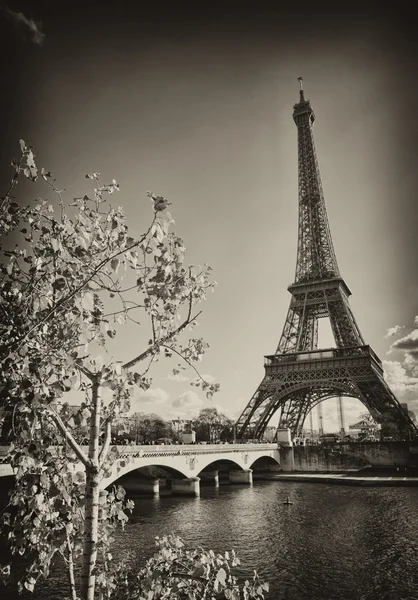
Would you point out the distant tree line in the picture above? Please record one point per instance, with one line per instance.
(212, 426)
(140, 428)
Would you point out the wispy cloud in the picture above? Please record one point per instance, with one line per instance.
(409, 344)
(27, 27)
(209, 378)
(188, 401)
(178, 377)
(150, 401)
(393, 330)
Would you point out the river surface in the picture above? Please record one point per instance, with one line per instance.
(334, 542)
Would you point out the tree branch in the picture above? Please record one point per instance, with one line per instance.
(186, 360)
(146, 353)
(13, 182)
(82, 285)
(68, 436)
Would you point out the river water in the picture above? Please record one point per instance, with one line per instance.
(333, 543)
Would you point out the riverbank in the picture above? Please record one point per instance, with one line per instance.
(365, 477)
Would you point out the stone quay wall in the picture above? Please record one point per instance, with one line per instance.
(349, 456)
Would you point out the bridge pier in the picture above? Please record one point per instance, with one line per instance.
(144, 486)
(186, 487)
(241, 476)
(287, 458)
(135, 483)
(211, 477)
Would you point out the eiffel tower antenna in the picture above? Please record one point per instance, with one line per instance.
(299, 376)
(302, 98)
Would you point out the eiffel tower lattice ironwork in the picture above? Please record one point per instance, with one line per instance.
(299, 376)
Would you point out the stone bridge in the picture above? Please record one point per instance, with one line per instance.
(140, 467)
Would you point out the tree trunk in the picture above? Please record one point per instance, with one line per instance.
(70, 569)
(91, 526)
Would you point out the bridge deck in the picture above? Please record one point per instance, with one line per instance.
(175, 449)
(189, 459)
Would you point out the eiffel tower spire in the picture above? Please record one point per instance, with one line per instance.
(318, 291)
(316, 257)
(299, 376)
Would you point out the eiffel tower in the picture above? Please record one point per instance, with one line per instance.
(299, 375)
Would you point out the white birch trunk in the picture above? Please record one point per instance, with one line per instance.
(92, 497)
(70, 569)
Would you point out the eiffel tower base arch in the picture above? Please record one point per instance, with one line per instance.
(295, 383)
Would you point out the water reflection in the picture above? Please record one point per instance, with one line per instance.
(333, 543)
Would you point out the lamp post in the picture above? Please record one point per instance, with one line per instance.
(136, 429)
(178, 428)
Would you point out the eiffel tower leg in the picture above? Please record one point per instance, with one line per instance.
(270, 397)
(289, 337)
(306, 408)
(308, 333)
(300, 331)
(385, 407)
(300, 404)
(344, 327)
(294, 403)
(249, 416)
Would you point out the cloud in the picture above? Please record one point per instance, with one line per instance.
(156, 400)
(188, 400)
(209, 378)
(398, 378)
(393, 330)
(188, 406)
(27, 28)
(409, 343)
(235, 414)
(411, 364)
(402, 376)
(179, 377)
(150, 401)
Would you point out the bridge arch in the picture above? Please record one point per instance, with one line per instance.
(234, 463)
(222, 464)
(264, 462)
(134, 465)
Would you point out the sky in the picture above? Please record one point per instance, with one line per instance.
(194, 102)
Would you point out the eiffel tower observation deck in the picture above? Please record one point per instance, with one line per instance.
(299, 375)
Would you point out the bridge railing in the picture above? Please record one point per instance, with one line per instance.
(176, 449)
(326, 353)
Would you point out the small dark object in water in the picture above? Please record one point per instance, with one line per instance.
(287, 501)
